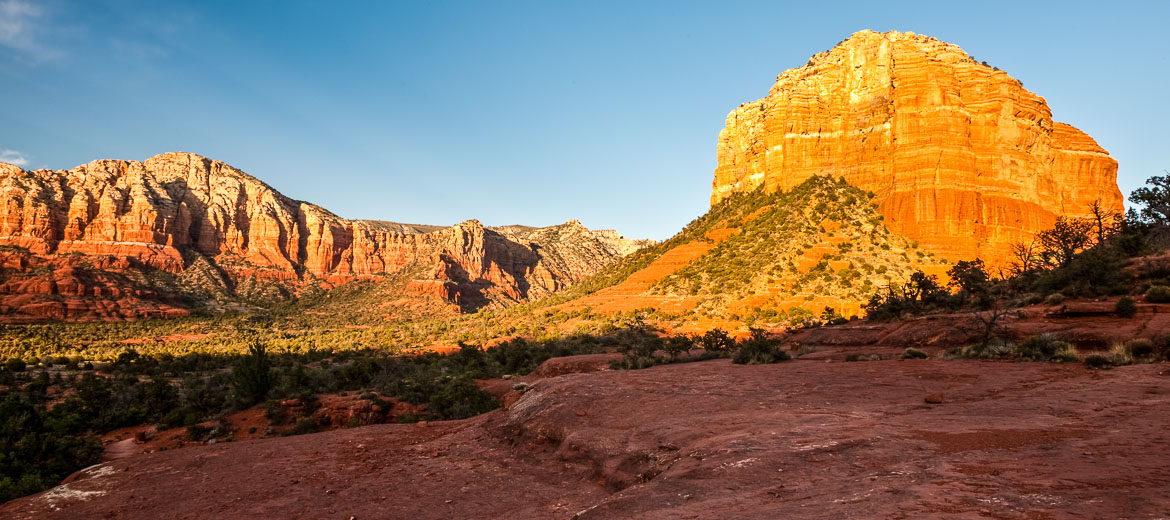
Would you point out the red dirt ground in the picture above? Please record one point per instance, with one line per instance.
(812, 438)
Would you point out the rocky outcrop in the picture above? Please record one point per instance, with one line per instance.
(176, 210)
(962, 158)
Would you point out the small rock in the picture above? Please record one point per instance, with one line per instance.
(580, 413)
(934, 398)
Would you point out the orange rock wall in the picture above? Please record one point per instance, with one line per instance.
(962, 158)
(153, 211)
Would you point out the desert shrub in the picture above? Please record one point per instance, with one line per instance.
(920, 295)
(252, 375)
(1158, 294)
(1154, 199)
(1054, 299)
(197, 432)
(408, 418)
(460, 398)
(970, 280)
(805, 350)
(913, 353)
(853, 357)
(303, 426)
(1119, 355)
(1140, 347)
(39, 447)
(275, 413)
(1045, 347)
(15, 365)
(758, 348)
(992, 349)
(716, 340)
(1097, 361)
(1126, 308)
(1162, 347)
(1093, 272)
(677, 345)
(638, 351)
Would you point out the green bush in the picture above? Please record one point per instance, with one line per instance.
(1158, 294)
(39, 447)
(1140, 347)
(1097, 361)
(758, 348)
(1041, 347)
(913, 353)
(197, 432)
(460, 398)
(1126, 308)
(1045, 347)
(1054, 299)
(716, 340)
(15, 365)
(305, 425)
(1162, 347)
(252, 375)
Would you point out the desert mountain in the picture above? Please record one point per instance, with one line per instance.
(890, 153)
(114, 239)
(961, 157)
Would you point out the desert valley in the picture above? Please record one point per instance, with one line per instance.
(915, 294)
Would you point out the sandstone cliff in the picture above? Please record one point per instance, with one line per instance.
(962, 158)
(179, 210)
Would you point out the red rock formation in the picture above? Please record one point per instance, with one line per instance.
(153, 212)
(962, 158)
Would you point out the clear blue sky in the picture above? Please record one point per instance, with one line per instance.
(507, 111)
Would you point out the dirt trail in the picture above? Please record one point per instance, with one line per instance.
(806, 439)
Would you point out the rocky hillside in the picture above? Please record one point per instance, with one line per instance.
(764, 258)
(117, 239)
(961, 157)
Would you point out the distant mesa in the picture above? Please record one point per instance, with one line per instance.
(962, 158)
(176, 211)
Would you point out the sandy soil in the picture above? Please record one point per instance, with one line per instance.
(812, 438)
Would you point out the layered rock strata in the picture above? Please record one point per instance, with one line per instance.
(175, 209)
(962, 158)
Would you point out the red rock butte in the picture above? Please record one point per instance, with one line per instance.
(173, 207)
(962, 158)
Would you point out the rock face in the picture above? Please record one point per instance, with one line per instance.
(962, 158)
(176, 210)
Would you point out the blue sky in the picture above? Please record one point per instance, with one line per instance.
(509, 111)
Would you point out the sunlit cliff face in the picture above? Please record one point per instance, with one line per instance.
(962, 158)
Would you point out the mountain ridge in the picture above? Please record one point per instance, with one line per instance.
(164, 212)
